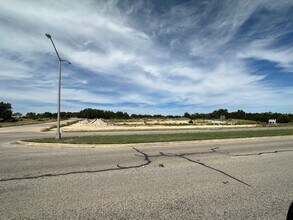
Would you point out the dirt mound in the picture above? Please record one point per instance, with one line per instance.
(98, 123)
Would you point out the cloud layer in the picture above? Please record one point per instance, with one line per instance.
(148, 56)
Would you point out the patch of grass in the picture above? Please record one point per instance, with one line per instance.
(242, 122)
(26, 121)
(290, 124)
(62, 125)
(70, 123)
(149, 138)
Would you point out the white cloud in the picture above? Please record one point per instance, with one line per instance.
(183, 56)
(261, 50)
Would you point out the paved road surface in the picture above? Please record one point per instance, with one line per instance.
(234, 179)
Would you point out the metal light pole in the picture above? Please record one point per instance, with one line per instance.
(58, 134)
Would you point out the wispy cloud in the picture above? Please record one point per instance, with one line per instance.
(262, 50)
(141, 56)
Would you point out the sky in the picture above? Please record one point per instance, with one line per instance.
(148, 57)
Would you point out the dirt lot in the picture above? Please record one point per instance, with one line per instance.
(150, 124)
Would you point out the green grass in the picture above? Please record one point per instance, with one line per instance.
(149, 138)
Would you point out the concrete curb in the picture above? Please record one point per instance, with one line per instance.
(58, 145)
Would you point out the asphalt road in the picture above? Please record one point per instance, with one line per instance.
(233, 179)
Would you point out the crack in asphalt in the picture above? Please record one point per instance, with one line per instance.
(146, 158)
(260, 153)
(148, 161)
(82, 172)
(215, 169)
(183, 156)
(212, 150)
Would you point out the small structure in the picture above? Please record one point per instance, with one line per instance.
(272, 121)
(216, 122)
(222, 117)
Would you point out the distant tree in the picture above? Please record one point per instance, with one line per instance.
(134, 116)
(5, 111)
(31, 115)
(218, 113)
(283, 119)
(158, 116)
(198, 116)
(64, 115)
(119, 115)
(47, 115)
(238, 115)
(126, 115)
(290, 117)
(86, 113)
(187, 115)
(96, 113)
(17, 115)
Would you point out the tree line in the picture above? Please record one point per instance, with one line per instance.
(240, 114)
(6, 114)
(90, 113)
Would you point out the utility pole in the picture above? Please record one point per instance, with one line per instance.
(58, 134)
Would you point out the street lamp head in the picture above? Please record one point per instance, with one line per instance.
(65, 61)
(48, 36)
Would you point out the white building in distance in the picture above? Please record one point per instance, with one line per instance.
(272, 121)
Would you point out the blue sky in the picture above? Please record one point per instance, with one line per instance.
(154, 57)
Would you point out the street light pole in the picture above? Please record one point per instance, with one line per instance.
(58, 134)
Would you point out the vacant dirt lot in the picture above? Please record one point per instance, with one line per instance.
(149, 124)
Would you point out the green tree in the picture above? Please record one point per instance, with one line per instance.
(218, 113)
(5, 111)
(283, 119)
(47, 115)
(31, 115)
(186, 115)
(17, 115)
